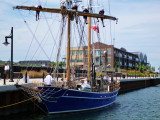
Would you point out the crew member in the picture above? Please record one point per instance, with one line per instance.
(48, 80)
(85, 17)
(75, 7)
(101, 12)
(37, 12)
(63, 15)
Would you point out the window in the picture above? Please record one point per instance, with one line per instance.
(97, 52)
(109, 59)
(80, 52)
(72, 60)
(79, 60)
(73, 52)
(108, 51)
(86, 60)
(86, 52)
(97, 60)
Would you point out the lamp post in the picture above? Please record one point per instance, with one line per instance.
(6, 43)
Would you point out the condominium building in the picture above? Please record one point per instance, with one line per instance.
(106, 54)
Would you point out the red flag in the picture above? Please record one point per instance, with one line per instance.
(95, 28)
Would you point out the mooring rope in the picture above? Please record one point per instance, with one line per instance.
(17, 103)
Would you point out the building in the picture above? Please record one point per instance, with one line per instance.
(106, 54)
(44, 63)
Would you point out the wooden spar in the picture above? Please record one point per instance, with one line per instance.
(89, 49)
(61, 11)
(68, 50)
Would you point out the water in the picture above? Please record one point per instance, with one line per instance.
(143, 104)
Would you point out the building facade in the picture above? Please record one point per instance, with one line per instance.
(106, 54)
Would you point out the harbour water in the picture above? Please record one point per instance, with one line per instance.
(143, 104)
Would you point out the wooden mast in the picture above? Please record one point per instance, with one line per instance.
(89, 43)
(89, 49)
(68, 50)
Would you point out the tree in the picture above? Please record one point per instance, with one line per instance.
(119, 64)
(136, 66)
(61, 64)
(115, 64)
(53, 64)
(143, 68)
(140, 66)
(153, 69)
(147, 67)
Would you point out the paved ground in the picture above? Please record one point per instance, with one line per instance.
(40, 81)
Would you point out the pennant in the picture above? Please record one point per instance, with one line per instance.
(95, 28)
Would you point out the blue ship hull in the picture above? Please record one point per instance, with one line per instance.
(59, 100)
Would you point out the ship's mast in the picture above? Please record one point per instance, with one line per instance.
(89, 43)
(68, 49)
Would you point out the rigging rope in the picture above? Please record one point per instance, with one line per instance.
(63, 23)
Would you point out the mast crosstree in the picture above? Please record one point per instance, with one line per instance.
(62, 11)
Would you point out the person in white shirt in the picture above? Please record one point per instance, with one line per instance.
(48, 80)
(6, 69)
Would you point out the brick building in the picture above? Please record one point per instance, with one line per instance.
(106, 54)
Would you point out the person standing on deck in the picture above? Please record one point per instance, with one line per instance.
(48, 80)
(6, 70)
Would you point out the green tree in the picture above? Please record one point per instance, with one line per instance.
(61, 64)
(147, 67)
(119, 64)
(53, 64)
(153, 69)
(136, 66)
(140, 66)
(115, 64)
(143, 68)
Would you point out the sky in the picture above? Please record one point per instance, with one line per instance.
(138, 29)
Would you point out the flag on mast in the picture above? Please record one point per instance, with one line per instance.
(95, 28)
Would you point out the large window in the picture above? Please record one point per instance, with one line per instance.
(86, 60)
(97, 60)
(79, 60)
(73, 53)
(108, 51)
(72, 60)
(80, 52)
(99, 52)
(86, 52)
(109, 59)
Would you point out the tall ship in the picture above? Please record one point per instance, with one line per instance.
(75, 94)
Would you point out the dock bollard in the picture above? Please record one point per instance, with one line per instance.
(4, 79)
(43, 76)
(26, 77)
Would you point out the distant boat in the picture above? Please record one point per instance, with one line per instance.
(72, 97)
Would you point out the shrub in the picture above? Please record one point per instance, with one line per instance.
(34, 74)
